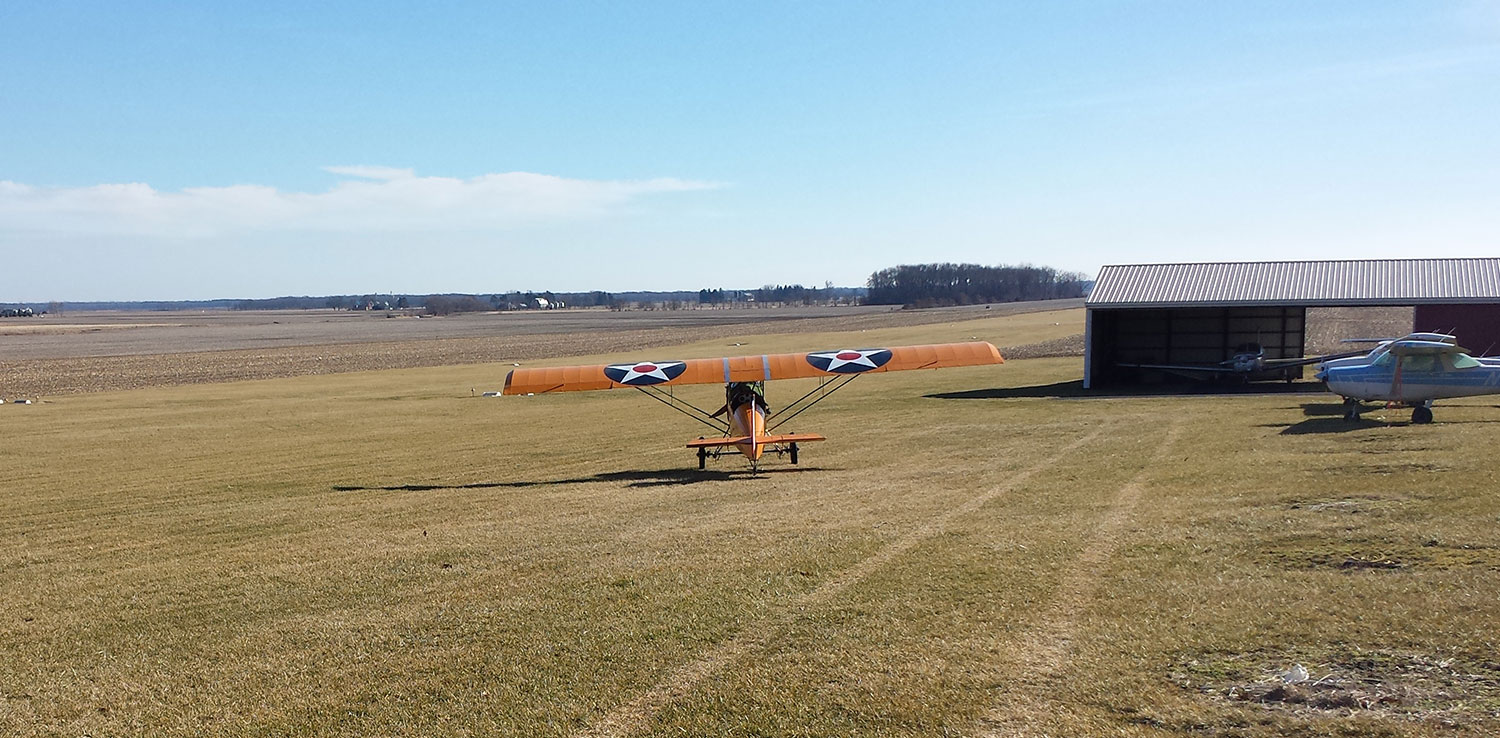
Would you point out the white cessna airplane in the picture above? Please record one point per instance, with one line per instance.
(1413, 370)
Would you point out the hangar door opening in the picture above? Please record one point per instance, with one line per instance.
(1189, 336)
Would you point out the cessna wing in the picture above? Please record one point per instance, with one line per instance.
(840, 362)
(1436, 337)
(1288, 363)
(1407, 347)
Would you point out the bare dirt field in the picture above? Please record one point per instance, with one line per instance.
(102, 351)
(106, 333)
(1328, 327)
(95, 352)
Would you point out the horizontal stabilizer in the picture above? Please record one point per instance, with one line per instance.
(759, 440)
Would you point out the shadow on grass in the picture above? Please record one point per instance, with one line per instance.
(1326, 424)
(635, 478)
(1057, 389)
(1075, 389)
(1328, 417)
(1331, 409)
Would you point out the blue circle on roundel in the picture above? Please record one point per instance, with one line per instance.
(645, 373)
(849, 361)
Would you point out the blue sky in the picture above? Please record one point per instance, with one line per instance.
(175, 151)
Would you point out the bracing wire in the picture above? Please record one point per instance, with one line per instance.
(836, 386)
(672, 402)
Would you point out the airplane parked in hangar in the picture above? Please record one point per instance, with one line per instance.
(749, 426)
(1248, 364)
(1411, 371)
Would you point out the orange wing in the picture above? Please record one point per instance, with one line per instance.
(749, 368)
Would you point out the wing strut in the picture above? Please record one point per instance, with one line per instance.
(836, 384)
(696, 413)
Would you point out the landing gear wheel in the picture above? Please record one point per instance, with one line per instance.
(794, 453)
(1351, 410)
(1421, 415)
(702, 458)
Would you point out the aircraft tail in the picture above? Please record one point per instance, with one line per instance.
(759, 440)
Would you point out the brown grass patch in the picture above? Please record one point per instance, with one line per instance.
(1446, 690)
(1354, 554)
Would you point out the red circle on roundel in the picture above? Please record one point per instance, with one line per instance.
(847, 355)
(643, 368)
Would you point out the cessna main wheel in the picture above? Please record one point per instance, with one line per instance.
(794, 453)
(1421, 415)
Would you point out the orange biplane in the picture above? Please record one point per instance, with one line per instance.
(750, 426)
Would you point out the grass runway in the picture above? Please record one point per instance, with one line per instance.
(383, 553)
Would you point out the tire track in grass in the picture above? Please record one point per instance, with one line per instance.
(1047, 644)
(635, 715)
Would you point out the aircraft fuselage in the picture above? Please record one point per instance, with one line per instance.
(1374, 382)
(749, 420)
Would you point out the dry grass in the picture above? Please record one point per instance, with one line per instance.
(379, 553)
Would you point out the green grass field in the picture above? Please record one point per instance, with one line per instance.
(969, 554)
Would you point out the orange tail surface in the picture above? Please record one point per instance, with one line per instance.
(759, 440)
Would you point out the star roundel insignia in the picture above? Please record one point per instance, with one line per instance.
(645, 373)
(849, 361)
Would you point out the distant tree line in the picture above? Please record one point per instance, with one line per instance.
(937, 285)
(451, 303)
(791, 294)
(786, 294)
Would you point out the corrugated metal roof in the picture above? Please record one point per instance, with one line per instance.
(1310, 283)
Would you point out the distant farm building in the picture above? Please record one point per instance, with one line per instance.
(1198, 313)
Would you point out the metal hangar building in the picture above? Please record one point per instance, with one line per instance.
(1198, 313)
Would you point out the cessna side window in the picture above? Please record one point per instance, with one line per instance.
(1464, 361)
(1421, 363)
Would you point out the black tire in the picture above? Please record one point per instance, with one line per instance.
(702, 458)
(794, 453)
(1421, 415)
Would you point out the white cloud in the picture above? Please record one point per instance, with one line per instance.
(377, 198)
(369, 172)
